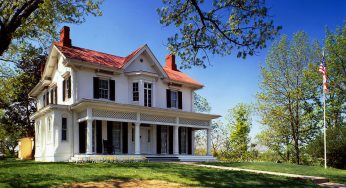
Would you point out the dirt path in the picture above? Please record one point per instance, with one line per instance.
(322, 181)
(126, 184)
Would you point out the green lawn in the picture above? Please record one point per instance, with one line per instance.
(35, 174)
(335, 175)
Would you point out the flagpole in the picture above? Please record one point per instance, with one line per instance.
(324, 127)
(324, 114)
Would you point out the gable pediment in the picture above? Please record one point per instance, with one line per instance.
(145, 62)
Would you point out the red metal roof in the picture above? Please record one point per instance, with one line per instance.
(95, 57)
(118, 62)
(180, 77)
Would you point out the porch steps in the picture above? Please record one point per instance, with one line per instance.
(151, 158)
(162, 158)
(106, 158)
(181, 158)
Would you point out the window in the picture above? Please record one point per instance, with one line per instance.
(56, 95)
(44, 100)
(103, 89)
(147, 94)
(66, 88)
(133, 134)
(49, 125)
(135, 91)
(47, 98)
(53, 95)
(64, 129)
(174, 99)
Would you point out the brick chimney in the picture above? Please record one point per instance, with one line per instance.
(170, 62)
(65, 37)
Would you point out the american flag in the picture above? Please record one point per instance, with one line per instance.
(323, 70)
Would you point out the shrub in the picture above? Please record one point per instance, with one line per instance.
(336, 147)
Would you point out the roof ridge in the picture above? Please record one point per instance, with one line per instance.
(77, 47)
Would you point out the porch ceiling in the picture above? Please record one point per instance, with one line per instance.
(104, 105)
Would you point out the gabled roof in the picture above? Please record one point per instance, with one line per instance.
(113, 61)
(178, 76)
(95, 57)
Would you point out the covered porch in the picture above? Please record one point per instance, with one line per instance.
(118, 129)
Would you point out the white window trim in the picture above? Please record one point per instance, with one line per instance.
(138, 90)
(152, 92)
(177, 99)
(108, 90)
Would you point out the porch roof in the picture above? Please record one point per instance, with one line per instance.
(100, 104)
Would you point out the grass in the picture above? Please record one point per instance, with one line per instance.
(36, 174)
(335, 175)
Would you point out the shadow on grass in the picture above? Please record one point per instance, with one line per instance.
(221, 178)
(335, 175)
(35, 174)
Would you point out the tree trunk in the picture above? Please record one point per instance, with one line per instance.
(5, 40)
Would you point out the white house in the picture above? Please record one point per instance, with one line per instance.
(92, 103)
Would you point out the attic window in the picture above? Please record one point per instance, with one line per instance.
(141, 60)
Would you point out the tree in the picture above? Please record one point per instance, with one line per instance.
(14, 90)
(287, 100)
(228, 25)
(336, 71)
(23, 21)
(200, 104)
(336, 147)
(239, 123)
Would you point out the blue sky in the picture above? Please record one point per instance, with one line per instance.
(126, 25)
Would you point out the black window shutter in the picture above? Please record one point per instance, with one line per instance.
(168, 96)
(63, 128)
(109, 132)
(158, 141)
(44, 99)
(125, 138)
(96, 87)
(98, 136)
(51, 96)
(63, 90)
(82, 141)
(112, 90)
(170, 146)
(69, 87)
(179, 140)
(189, 140)
(180, 100)
(47, 97)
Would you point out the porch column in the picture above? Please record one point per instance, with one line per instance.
(89, 135)
(137, 139)
(176, 140)
(209, 141)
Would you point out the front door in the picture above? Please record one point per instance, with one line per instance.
(145, 140)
